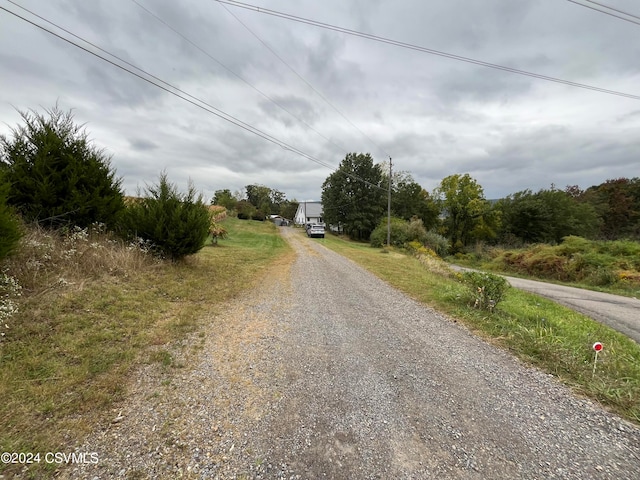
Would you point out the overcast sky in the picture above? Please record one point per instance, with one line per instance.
(435, 116)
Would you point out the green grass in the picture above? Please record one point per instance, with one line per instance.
(70, 349)
(540, 332)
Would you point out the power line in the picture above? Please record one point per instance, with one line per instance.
(235, 74)
(608, 13)
(419, 48)
(266, 45)
(614, 9)
(220, 113)
(168, 88)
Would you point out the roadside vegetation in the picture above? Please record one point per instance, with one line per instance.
(92, 308)
(94, 284)
(612, 266)
(547, 335)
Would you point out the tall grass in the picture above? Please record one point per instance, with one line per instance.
(50, 259)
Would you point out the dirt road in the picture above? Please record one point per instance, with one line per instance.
(327, 372)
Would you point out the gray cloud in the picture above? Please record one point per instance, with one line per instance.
(434, 116)
(142, 144)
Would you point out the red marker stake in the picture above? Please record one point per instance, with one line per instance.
(597, 347)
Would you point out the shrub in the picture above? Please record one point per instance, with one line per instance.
(437, 243)
(245, 210)
(176, 225)
(10, 231)
(57, 177)
(430, 260)
(416, 230)
(487, 289)
(399, 233)
(217, 231)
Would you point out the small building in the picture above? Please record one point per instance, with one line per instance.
(279, 220)
(309, 212)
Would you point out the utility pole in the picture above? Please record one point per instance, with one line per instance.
(389, 207)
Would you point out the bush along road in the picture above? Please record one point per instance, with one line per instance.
(618, 312)
(324, 371)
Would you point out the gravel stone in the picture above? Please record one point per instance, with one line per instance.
(325, 371)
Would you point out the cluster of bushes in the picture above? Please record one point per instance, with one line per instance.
(51, 175)
(598, 263)
(486, 290)
(404, 232)
(61, 204)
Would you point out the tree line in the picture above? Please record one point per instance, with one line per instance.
(256, 203)
(52, 175)
(355, 198)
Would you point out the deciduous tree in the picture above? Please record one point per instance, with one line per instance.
(353, 196)
(467, 214)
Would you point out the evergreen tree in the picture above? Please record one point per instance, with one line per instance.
(10, 231)
(57, 177)
(546, 216)
(176, 225)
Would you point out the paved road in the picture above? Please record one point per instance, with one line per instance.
(620, 313)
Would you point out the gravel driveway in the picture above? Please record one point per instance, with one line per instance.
(324, 371)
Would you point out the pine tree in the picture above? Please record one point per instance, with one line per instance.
(10, 231)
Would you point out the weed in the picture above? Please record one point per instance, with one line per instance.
(612, 266)
(487, 289)
(163, 357)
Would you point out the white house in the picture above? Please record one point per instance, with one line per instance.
(309, 212)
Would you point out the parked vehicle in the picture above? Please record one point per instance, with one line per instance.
(315, 230)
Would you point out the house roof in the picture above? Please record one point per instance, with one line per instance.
(310, 209)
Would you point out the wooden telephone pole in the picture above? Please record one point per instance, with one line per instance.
(389, 207)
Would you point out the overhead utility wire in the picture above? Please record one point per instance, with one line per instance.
(237, 75)
(430, 51)
(266, 45)
(608, 13)
(213, 110)
(614, 9)
(220, 113)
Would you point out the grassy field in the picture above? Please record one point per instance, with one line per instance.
(92, 310)
(540, 332)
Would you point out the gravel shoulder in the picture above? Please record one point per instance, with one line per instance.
(324, 371)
